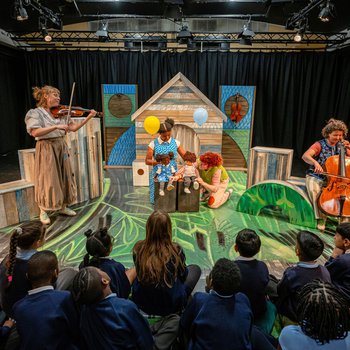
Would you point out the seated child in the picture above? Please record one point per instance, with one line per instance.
(222, 318)
(164, 171)
(254, 277)
(46, 318)
(338, 264)
(309, 247)
(5, 331)
(106, 321)
(99, 245)
(24, 242)
(323, 317)
(189, 172)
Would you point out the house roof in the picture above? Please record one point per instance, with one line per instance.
(176, 78)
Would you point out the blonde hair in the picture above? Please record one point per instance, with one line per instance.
(39, 94)
(334, 125)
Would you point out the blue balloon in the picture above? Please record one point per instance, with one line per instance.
(200, 116)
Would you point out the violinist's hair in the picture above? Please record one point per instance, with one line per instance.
(323, 312)
(39, 94)
(334, 125)
(98, 245)
(23, 237)
(167, 125)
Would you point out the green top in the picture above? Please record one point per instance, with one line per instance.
(207, 175)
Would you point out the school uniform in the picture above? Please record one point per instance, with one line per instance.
(339, 269)
(114, 323)
(162, 300)
(294, 278)
(254, 280)
(18, 288)
(47, 319)
(213, 322)
(120, 283)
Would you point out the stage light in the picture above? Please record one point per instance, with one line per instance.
(298, 37)
(184, 36)
(245, 41)
(102, 32)
(246, 34)
(20, 11)
(43, 29)
(327, 11)
(46, 35)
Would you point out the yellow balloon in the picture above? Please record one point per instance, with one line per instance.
(151, 124)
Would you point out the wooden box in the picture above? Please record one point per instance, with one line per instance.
(187, 202)
(167, 202)
(266, 163)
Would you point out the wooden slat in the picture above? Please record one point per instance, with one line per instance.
(3, 218)
(14, 185)
(11, 208)
(33, 207)
(91, 156)
(22, 205)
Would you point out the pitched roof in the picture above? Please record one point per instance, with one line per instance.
(179, 76)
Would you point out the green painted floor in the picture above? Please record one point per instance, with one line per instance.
(205, 235)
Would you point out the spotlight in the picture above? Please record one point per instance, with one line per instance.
(298, 37)
(102, 32)
(184, 36)
(43, 29)
(245, 41)
(246, 34)
(20, 11)
(46, 35)
(327, 11)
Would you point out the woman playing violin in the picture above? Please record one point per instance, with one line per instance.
(334, 131)
(54, 183)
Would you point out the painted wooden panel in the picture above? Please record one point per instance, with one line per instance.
(3, 219)
(22, 205)
(11, 208)
(26, 163)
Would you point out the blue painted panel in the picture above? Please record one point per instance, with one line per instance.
(22, 205)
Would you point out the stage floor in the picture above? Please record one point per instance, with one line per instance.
(206, 235)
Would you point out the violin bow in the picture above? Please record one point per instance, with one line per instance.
(71, 100)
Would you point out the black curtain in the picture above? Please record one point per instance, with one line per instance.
(295, 92)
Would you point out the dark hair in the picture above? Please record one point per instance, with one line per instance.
(248, 243)
(344, 230)
(167, 125)
(157, 251)
(87, 287)
(310, 245)
(23, 237)
(98, 244)
(189, 157)
(160, 157)
(323, 312)
(334, 125)
(225, 276)
(41, 267)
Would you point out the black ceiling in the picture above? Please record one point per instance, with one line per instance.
(272, 11)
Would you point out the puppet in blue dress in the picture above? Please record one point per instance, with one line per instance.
(164, 171)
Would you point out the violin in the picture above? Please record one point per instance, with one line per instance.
(61, 111)
(236, 110)
(334, 199)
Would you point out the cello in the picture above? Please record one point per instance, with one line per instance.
(334, 200)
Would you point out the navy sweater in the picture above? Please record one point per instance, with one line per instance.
(114, 323)
(116, 272)
(47, 320)
(212, 322)
(254, 279)
(339, 269)
(294, 278)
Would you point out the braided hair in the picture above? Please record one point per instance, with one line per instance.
(23, 237)
(167, 125)
(98, 244)
(86, 286)
(323, 312)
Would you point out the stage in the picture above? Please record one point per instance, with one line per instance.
(205, 235)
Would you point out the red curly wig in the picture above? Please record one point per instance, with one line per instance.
(211, 158)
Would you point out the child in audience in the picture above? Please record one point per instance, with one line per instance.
(5, 330)
(308, 249)
(323, 317)
(46, 318)
(338, 264)
(189, 172)
(99, 245)
(24, 242)
(106, 321)
(164, 171)
(254, 278)
(163, 282)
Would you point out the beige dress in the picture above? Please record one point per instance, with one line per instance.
(54, 179)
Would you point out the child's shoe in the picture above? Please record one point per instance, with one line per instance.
(44, 218)
(195, 185)
(68, 212)
(161, 193)
(170, 187)
(186, 190)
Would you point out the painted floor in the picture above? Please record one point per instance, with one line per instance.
(206, 235)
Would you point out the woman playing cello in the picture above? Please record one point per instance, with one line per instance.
(54, 182)
(334, 131)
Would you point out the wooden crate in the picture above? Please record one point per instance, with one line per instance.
(167, 202)
(187, 202)
(26, 163)
(17, 202)
(140, 173)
